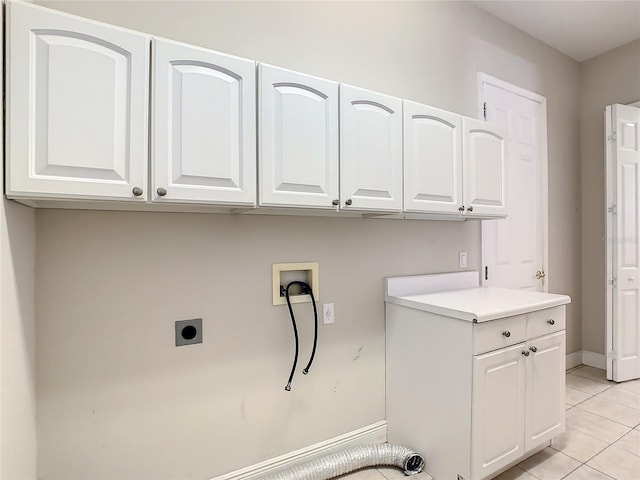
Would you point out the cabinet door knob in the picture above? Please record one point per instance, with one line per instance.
(348, 201)
(525, 353)
(137, 191)
(533, 348)
(161, 192)
(461, 209)
(335, 202)
(506, 333)
(551, 321)
(470, 209)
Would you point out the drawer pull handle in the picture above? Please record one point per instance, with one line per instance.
(551, 321)
(534, 349)
(525, 353)
(506, 333)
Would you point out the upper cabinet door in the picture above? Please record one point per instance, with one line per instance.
(298, 135)
(204, 126)
(370, 150)
(484, 168)
(78, 95)
(432, 159)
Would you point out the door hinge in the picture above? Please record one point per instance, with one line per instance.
(613, 209)
(612, 282)
(486, 273)
(484, 110)
(612, 137)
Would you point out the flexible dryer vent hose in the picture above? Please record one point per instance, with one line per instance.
(352, 459)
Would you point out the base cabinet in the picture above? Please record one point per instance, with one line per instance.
(518, 401)
(509, 373)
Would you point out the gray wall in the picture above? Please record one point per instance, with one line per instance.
(17, 338)
(117, 400)
(613, 77)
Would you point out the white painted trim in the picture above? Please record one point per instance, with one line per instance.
(635, 104)
(573, 360)
(596, 360)
(374, 433)
(544, 156)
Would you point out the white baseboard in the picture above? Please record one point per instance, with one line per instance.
(573, 360)
(374, 433)
(597, 360)
(591, 359)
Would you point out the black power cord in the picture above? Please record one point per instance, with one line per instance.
(304, 288)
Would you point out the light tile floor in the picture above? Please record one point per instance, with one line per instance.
(601, 441)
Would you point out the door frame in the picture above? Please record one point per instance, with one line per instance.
(484, 78)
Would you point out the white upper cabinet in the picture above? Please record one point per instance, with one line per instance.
(204, 126)
(432, 159)
(298, 139)
(77, 106)
(370, 150)
(484, 168)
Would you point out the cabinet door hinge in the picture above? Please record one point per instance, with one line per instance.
(484, 110)
(613, 209)
(612, 282)
(612, 137)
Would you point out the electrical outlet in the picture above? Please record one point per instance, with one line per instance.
(463, 259)
(327, 313)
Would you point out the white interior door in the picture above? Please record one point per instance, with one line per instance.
(623, 246)
(514, 249)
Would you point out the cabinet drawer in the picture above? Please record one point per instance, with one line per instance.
(545, 321)
(499, 333)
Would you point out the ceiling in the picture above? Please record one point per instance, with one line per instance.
(579, 29)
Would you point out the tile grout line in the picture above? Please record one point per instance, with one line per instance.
(606, 418)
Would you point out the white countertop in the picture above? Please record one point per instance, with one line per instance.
(480, 304)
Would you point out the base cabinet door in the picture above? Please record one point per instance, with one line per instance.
(298, 139)
(484, 174)
(77, 107)
(545, 387)
(497, 419)
(370, 150)
(204, 126)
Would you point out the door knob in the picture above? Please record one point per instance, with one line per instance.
(540, 274)
(506, 333)
(161, 192)
(534, 349)
(137, 191)
(461, 209)
(335, 202)
(525, 353)
(551, 321)
(470, 209)
(348, 201)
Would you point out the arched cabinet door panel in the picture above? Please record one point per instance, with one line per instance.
(204, 126)
(370, 150)
(432, 159)
(484, 175)
(298, 139)
(77, 107)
